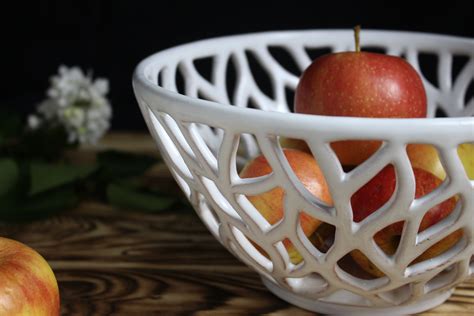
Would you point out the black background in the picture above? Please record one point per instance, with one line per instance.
(111, 37)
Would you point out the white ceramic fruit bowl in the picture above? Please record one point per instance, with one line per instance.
(195, 99)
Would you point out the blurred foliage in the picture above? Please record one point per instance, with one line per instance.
(36, 180)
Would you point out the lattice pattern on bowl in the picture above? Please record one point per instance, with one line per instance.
(185, 95)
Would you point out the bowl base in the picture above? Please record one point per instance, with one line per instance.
(339, 309)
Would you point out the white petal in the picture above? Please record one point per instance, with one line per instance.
(33, 121)
(101, 85)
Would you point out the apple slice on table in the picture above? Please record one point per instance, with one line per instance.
(27, 283)
(377, 192)
(270, 204)
(360, 84)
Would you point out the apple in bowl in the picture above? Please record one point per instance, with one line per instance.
(360, 84)
(27, 283)
(271, 204)
(377, 192)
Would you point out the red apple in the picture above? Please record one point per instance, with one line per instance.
(27, 283)
(378, 191)
(270, 204)
(360, 84)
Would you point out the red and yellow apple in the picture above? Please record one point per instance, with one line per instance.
(424, 156)
(27, 283)
(360, 84)
(270, 204)
(377, 192)
(466, 154)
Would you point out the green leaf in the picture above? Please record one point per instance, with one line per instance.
(127, 197)
(118, 165)
(48, 176)
(9, 175)
(38, 206)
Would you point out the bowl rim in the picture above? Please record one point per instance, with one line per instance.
(149, 91)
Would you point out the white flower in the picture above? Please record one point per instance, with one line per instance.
(33, 121)
(78, 103)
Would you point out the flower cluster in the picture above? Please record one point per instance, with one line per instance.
(78, 103)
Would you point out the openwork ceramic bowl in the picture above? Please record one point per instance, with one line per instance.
(214, 104)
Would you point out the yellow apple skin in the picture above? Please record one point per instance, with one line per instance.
(466, 154)
(270, 204)
(28, 285)
(426, 157)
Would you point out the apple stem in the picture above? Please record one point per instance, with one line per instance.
(357, 38)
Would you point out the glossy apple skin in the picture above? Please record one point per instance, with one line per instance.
(28, 285)
(360, 84)
(378, 191)
(426, 157)
(270, 204)
(466, 154)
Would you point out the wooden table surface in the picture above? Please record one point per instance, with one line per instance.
(118, 262)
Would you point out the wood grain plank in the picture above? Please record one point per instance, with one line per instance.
(128, 263)
(117, 262)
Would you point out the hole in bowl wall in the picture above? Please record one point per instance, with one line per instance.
(358, 267)
(290, 98)
(466, 155)
(388, 238)
(294, 143)
(323, 238)
(352, 153)
(247, 149)
(204, 67)
(427, 158)
(261, 76)
(316, 52)
(180, 81)
(374, 49)
(469, 95)
(290, 254)
(429, 67)
(459, 62)
(285, 59)
(440, 112)
(159, 79)
(231, 80)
